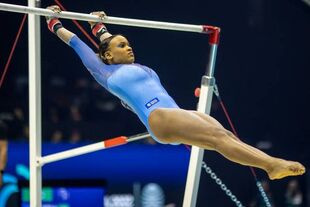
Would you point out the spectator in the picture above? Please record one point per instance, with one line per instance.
(293, 195)
(75, 136)
(57, 136)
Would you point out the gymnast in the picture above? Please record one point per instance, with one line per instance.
(139, 87)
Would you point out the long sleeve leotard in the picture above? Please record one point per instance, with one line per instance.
(137, 85)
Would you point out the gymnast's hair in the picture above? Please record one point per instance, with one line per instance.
(103, 47)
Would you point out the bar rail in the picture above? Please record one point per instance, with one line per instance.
(107, 19)
(117, 141)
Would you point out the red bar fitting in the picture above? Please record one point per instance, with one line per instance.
(115, 141)
(214, 32)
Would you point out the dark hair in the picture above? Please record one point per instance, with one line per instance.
(103, 47)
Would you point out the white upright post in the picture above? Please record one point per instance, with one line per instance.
(204, 106)
(34, 106)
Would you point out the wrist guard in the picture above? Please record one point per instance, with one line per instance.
(99, 29)
(53, 25)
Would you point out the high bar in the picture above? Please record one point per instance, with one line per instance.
(92, 148)
(107, 19)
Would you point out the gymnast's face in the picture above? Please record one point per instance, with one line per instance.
(119, 51)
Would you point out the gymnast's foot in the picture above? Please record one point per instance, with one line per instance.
(283, 168)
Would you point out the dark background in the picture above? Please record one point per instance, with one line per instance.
(261, 70)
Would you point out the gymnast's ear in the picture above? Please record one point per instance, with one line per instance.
(106, 56)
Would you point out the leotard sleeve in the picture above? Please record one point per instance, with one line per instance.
(91, 61)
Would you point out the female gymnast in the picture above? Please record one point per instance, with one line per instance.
(139, 87)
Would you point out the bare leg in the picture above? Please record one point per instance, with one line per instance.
(212, 121)
(177, 125)
(280, 168)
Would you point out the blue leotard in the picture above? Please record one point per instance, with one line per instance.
(137, 85)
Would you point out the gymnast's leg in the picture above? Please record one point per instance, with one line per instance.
(194, 128)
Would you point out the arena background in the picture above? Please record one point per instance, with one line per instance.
(261, 70)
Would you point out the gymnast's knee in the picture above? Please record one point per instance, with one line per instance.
(218, 138)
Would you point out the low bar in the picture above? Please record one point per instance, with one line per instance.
(107, 19)
(138, 137)
(91, 148)
(71, 153)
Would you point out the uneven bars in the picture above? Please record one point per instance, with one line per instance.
(92, 148)
(107, 19)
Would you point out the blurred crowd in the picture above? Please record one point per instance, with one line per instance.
(72, 110)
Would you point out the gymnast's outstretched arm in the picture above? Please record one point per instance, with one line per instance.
(90, 59)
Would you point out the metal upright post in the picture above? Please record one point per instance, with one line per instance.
(204, 106)
(34, 106)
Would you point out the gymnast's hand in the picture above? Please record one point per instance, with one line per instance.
(101, 14)
(98, 29)
(53, 23)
